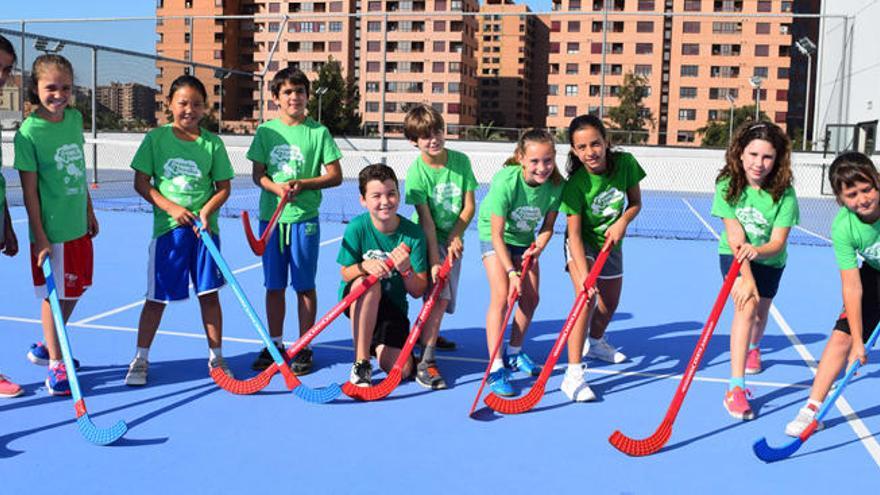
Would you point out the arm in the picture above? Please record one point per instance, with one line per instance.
(497, 230)
(455, 243)
(35, 214)
(426, 221)
(261, 179)
(145, 188)
(576, 246)
(778, 239)
(90, 216)
(331, 177)
(10, 241)
(414, 283)
(617, 230)
(222, 189)
(544, 233)
(744, 288)
(852, 301)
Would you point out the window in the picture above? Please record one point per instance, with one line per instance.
(571, 90)
(573, 48)
(335, 46)
(724, 71)
(596, 48)
(373, 66)
(555, 26)
(335, 6)
(218, 54)
(685, 136)
(374, 46)
(335, 27)
(574, 26)
(690, 70)
(438, 67)
(570, 111)
(645, 26)
(642, 70)
(372, 87)
(721, 93)
(785, 29)
(784, 51)
(646, 5)
(440, 5)
(552, 89)
(438, 107)
(726, 50)
(692, 5)
(554, 47)
(552, 110)
(374, 26)
(687, 114)
(728, 6)
(372, 106)
(274, 8)
(690, 26)
(373, 6)
(571, 68)
(765, 5)
(762, 28)
(455, 67)
(779, 118)
(782, 73)
(761, 72)
(644, 48)
(439, 26)
(690, 49)
(726, 27)
(687, 92)
(781, 95)
(453, 88)
(439, 46)
(762, 50)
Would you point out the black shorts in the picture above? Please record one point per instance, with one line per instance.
(870, 303)
(392, 324)
(766, 277)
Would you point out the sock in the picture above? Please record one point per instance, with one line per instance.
(279, 341)
(54, 363)
(214, 352)
(753, 347)
(737, 382)
(814, 405)
(497, 364)
(513, 350)
(573, 369)
(142, 353)
(428, 354)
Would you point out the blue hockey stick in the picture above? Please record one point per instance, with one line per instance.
(98, 436)
(293, 383)
(770, 454)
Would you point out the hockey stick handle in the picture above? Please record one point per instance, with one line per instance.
(61, 332)
(335, 311)
(703, 342)
(511, 302)
(272, 221)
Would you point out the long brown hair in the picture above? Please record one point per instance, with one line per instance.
(779, 179)
(583, 122)
(534, 136)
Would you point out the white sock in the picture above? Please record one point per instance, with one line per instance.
(214, 352)
(497, 364)
(573, 369)
(814, 403)
(513, 349)
(54, 363)
(142, 353)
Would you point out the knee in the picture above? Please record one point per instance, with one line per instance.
(529, 303)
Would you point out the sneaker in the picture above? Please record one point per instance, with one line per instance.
(361, 373)
(302, 363)
(753, 361)
(137, 373)
(803, 419)
(8, 389)
(522, 362)
(499, 382)
(39, 355)
(219, 362)
(428, 376)
(575, 387)
(444, 344)
(737, 403)
(604, 351)
(264, 359)
(56, 382)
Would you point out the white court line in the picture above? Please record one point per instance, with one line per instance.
(200, 336)
(135, 304)
(853, 419)
(814, 234)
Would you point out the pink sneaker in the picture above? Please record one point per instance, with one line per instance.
(8, 389)
(753, 362)
(737, 404)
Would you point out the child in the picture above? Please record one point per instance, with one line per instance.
(440, 183)
(184, 172)
(288, 153)
(379, 320)
(755, 199)
(8, 240)
(599, 179)
(50, 160)
(855, 231)
(524, 193)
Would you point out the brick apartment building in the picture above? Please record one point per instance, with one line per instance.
(131, 101)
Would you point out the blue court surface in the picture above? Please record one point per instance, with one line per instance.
(188, 436)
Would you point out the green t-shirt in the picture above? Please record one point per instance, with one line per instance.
(851, 236)
(292, 152)
(758, 215)
(362, 241)
(183, 171)
(54, 150)
(522, 206)
(600, 199)
(442, 188)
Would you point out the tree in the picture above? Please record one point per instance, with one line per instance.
(716, 133)
(631, 114)
(338, 105)
(484, 132)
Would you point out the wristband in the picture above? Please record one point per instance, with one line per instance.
(513, 272)
(407, 273)
(360, 267)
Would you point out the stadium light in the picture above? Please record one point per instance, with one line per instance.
(320, 92)
(47, 47)
(221, 75)
(730, 99)
(807, 48)
(756, 81)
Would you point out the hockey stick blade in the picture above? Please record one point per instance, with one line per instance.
(772, 454)
(321, 395)
(647, 446)
(392, 380)
(243, 387)
(92, 433)
(258, 246)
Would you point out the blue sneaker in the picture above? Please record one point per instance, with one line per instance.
(522, 362)
(56, 382)
(39, 355)
(499, 382)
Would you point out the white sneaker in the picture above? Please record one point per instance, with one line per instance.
(137, 373)
(219, 362)
(801, 421)
(601, 349)
(575, 387)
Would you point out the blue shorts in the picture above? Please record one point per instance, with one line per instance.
(766, 277)
(487, 249)
(292, 248)
(178, 258)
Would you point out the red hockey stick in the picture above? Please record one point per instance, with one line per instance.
(655, 442)
(259, 245)
(392, 380)
(528, 401)
(511, 302)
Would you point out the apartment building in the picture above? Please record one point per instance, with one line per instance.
(222, 43)
(131, 101)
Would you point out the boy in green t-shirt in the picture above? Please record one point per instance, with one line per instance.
(440, 184)
(379, 321)
(288, 153)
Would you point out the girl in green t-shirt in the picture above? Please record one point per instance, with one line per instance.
(855, 231)
(755, 199)
(523, 194)
(602, 196)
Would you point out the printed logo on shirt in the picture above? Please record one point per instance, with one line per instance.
(525, 218)
(608, 203)
(69, 159)
(183, 174)
(754, 224)
(378, 254)
(448, 196)
(872, 253)
(287, 160)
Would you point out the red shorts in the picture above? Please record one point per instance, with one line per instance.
(72, 266)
